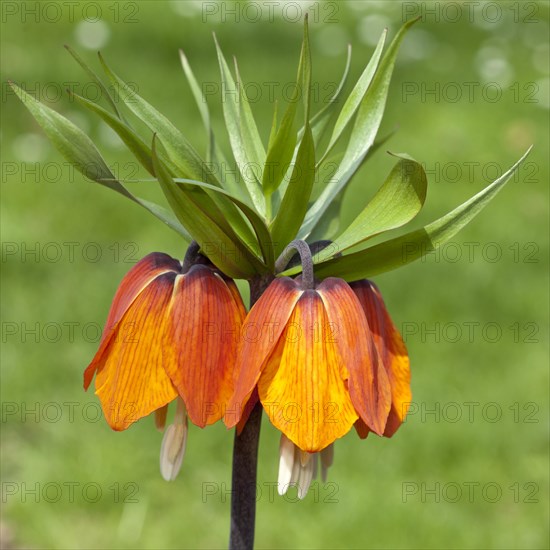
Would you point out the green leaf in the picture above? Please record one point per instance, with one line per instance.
(92, 74)
(136, 145)
(320, 120)
(226, 253)
(179, 150)
(225, 213)
(81, 152)
(294, 205)
(282, 147)
(214, 155)
(273, 131)
(279, 154)
(234, 124)
(329, 224)
(249, 131)
(306, 72)
(200, 100)
(71, 142)
(403, 250)
(164, 216)
(260, 228)
(397, 202)
(367, 122)
(356, 96)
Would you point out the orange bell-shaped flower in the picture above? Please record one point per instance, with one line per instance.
(168, 333)
(311, 355)
(321, 358)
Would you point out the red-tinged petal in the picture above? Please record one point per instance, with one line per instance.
(131, 381)
(392, 350)
(301, 387)
(362, 429)
(132, 284)
(368, 382)
(205, 325)
(260, 333)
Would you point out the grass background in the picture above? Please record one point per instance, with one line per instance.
(488, 388)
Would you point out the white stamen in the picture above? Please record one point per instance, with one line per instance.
(295, 477)
(299, 468)
(286, 463)
(306, 475)
(173, 444)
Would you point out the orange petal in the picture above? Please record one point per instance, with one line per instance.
(131, 381)
(205, 320)
(392, 350)
(133, 283)
(301, 387)
(368, 383)
(261, 330)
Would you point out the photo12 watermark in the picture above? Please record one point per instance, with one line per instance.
(72, 11)
(73, 492)
(452, 492)
(270, 491)
(269, 11)
(472, 11)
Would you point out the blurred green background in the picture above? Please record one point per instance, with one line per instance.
(469, 469)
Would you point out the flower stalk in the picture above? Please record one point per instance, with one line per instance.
(245, 461)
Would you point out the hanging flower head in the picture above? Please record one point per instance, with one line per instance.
(321, 358)
(171, 334)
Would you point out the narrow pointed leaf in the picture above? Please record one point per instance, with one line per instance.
(163, 215)
(93, 75)
(200, 100)
(273, 131)
(81, 152)
(233, 124)
(71, 142)
(225, 213)
(397, 202)
(320, 120)
(282, 149)
(279, 155)
(329, 224)
(356, 96)
(179, 150)
(402, 250)
(330, 221)
(262, 232)
(249, 131)
(228, 255)
(294, 204)
(214, 156)
(306, 72)
(367, 122)
(138, 147)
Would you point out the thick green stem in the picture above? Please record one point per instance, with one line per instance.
(245, 461)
